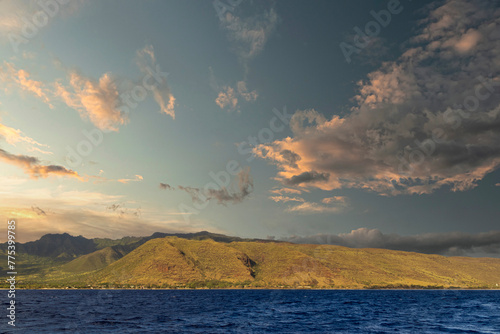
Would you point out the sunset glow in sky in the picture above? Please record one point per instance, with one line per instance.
(251, 118)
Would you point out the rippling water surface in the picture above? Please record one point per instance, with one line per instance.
(256, 311)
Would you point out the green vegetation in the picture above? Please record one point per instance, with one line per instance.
(200, 262)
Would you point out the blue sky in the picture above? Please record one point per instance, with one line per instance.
(170, 92)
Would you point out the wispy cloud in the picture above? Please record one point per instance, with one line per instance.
(335, 204)
(38, 211)
(137, 178)
(249, 35)
(122, 210)
(452, 243)
(93, 223)
(285, 199)
(227, 99)
(20, 78)
(223, 195)
(166, 186)
(33, 167)
(230, 98)
(96, 100)
(282, 191)
(335, 199)
(437, 104)
(13, 136)
(22, 20)
(146, 61)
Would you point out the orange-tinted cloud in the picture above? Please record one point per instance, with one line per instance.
(227, 98)
(33, 167)
(285, 199)
(21, 78)
(13, 136)
(97, 100)
(426, 120)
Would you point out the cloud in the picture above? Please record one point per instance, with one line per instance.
(374, 53)
(13, 136)
(228, 96)
(334, 204)
(104, 105)
(429, 119)
(88, 213)
(285, 191)
(285, 199)
(93, 223)
(33, 167)
(335, 199)
(166, 186)
(146, 61)
(306, 177)
(121, 210)
(96, 100)
(249, 35)
(243, 91)
(100, 179)
(21, 79)
(16, 15)
(38, 211)
(137, 178)
(452, 243)
(223, 195)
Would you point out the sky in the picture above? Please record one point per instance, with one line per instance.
(361, 123)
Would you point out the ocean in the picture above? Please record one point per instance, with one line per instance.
(255, 311)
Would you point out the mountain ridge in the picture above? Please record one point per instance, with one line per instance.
(201, 262)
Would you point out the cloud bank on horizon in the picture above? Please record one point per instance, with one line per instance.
(451, 244)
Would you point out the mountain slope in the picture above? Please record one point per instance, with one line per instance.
(96, 260)
(173, 261)
(178, 262)
(58, 246)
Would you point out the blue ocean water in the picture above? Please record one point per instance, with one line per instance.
(255, 311)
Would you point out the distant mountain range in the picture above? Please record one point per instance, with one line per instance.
(65, 246)
(204, 259)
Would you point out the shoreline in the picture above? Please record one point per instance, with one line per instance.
(290, 289)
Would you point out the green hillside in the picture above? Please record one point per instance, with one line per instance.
(96, 260)
(173, 262)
